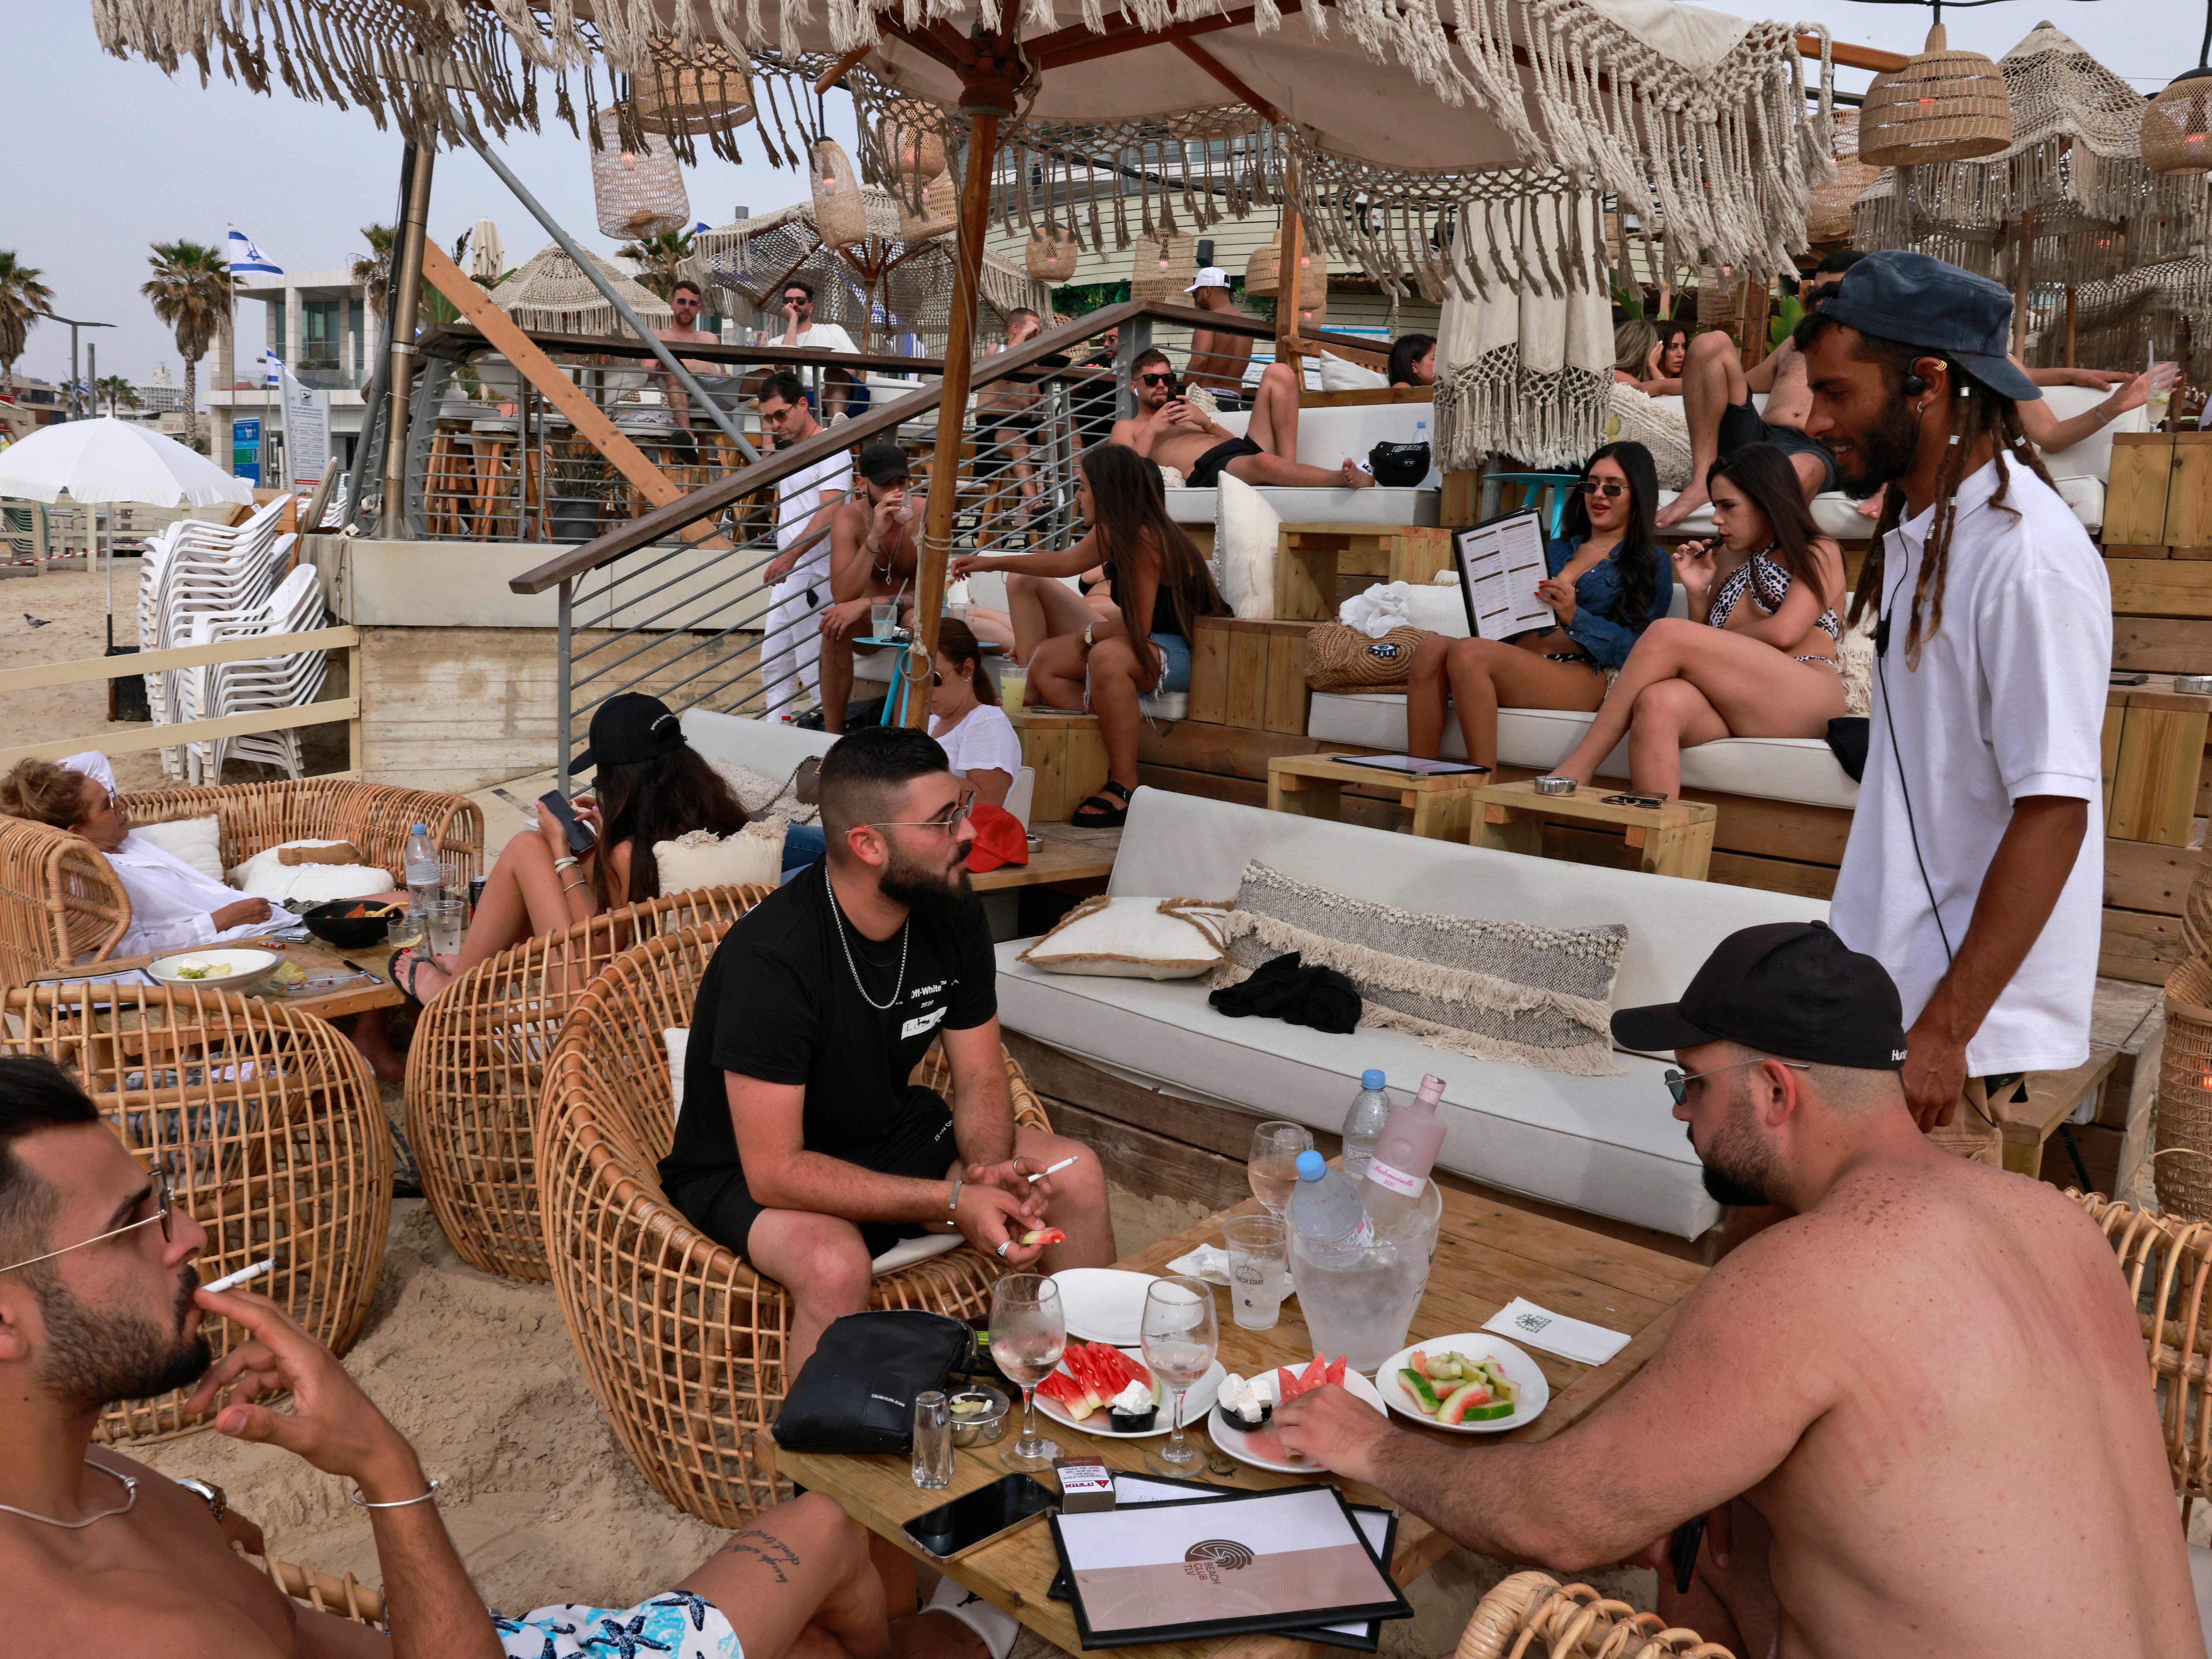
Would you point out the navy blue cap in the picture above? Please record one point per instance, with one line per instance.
(1917, 299)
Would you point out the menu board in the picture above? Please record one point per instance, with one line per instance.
(1500, 560)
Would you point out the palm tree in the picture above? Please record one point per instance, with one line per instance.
(190, 291)
(23, 299)
(373, 269)
(659, 256)
(116, 390)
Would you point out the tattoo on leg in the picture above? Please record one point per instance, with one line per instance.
(771, 1550)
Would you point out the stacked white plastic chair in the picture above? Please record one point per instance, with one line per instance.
(265, 683)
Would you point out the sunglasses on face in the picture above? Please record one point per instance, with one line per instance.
(1678, 1081)
(949, 820)
(1606, 487)
(165, 1202)
(1156, 379)
(797, 299)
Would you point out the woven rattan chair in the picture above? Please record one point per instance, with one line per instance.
(2168, 1263)
(265, 1123)
(1533, 1613)
(347, 1597)
(478, 1065)
(61, 903)
(684, 1344)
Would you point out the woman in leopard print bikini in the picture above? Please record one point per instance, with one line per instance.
(1756, 657)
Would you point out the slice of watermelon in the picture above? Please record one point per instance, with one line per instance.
(1335, 1373)
(1070, 1393)
(1128, 1368)
(1081, 1359)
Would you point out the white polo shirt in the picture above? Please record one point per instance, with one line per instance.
(801, 499)
(2007, 700)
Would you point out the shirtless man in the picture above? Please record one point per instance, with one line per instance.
(1167, 430)
(872, 545)
(99, 1302)
(1920, 1400)
(685, 300)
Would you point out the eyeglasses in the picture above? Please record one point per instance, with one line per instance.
(167, 1203)
(950, 820)
(1606, 487)
(1678, 1082)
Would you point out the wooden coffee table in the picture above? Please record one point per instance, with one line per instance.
(313, 955)
(1486, 1254)
(1672, 839)
(1312, 786)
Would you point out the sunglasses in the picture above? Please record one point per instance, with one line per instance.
(1605, 487)
(166, 1204)
(949, 820)
(1156, 379)
(797, 299)
(1678, 1081)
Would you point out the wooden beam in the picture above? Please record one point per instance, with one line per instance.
(838, 70)
(160, 737)
(1078, 44)
(1227, 76)
(1851, 57)
(1289, 279)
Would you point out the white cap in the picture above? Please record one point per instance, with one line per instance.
(1210, 276)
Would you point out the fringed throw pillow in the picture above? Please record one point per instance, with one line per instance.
(1496, 990)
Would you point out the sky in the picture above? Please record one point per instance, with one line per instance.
(109, 155)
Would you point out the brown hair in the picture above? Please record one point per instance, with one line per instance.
(956, 643)
(1133, 509)
(1768, 480)
(656, 800)
(44, 792)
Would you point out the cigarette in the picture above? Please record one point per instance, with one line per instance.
(1055, 1170)
(232, 1281)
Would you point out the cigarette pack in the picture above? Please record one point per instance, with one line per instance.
(1085, 1484)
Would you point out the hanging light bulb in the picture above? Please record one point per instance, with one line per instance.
(1943, 106)
(2177, 125)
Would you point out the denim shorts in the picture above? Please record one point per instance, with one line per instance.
(1175, 664)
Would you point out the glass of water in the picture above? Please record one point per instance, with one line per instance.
(1180, 1336)
(445, 917)
(1259, 1269)
(1029, 1333)
(933, 1442)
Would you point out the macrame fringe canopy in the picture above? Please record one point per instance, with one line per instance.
(2159, 308)
(551, 293)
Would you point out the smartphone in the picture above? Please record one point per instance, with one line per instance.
(581, 838)
(1682, 1552)
(951, 1530)
(1635, 800)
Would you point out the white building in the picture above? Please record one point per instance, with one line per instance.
(321, 324)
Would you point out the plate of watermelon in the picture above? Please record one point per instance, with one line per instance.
(1471, 1383)
(1258, 1447)
(1100, 1389)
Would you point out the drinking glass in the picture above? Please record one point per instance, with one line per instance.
(933, 1442)
(1259, 1268)
(1029, 1333)
(1181, 1334)
(1274, 1165)
(881, 619)
(445, 917)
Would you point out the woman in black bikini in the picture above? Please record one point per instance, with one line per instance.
(1160, 587)
(1756, 657)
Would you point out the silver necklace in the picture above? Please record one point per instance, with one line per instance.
(129, 1498)
(837, 919)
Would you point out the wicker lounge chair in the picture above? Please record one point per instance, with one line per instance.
(2174, 1257)
(684, 1344)
(1532, 1612)
(478, 1065)
(347, 1597)
(61, 903)
(267, 1126)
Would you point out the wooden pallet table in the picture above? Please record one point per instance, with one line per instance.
(2153, 743)
(1311, 560)
(1067, 752)
(1674, 840)
(1312, 786)
(2052, 1098)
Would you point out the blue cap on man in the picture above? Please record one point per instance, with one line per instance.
(1917, 299)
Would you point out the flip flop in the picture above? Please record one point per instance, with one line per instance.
(1098, 811)
(405, 981)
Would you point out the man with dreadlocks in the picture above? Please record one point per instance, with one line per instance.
(1971, 873)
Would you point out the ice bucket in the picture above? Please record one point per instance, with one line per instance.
(1358, 1301)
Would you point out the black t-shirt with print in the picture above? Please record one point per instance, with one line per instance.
(779, 1003)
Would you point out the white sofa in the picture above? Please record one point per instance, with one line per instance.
(1326, 438)
(2080, 471)
(1606, 1146)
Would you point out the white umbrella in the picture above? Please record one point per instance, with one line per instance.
(487, 253)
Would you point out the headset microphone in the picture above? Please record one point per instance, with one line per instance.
(1913, 385)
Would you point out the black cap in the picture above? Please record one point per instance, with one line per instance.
(884, 464)
(628, 729)
(1917, 299)
(1791, 989)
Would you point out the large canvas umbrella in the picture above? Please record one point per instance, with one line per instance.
(551, 293)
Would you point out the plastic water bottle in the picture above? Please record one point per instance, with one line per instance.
(1398, 1173)
(1325, 1208)
(425, 875)
(1421, 436)
(1363, 1124)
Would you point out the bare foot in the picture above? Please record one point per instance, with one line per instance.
(369, 1038)
(1355, 478)
(1682, 506)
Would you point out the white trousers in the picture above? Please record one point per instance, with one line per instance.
(791, 652)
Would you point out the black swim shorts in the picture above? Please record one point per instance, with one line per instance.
(1742, 424)
(1206, 474)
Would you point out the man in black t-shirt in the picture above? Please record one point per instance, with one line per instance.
(814, 1013)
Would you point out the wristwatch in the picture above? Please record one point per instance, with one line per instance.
(209, 1494)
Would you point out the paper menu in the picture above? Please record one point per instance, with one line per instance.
(1500, 562)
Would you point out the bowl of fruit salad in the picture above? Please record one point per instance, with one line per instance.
(1471, 1382)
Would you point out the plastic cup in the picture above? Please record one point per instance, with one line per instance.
(882, 618)
(445, 918)
(1259, 1263)
(1012, 685)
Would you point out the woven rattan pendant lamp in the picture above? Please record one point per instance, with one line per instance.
(2177, 125)
(1943, 106)
(705, 90)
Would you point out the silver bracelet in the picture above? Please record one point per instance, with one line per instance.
(559, 865)
(398, 1503)
(952, 1204)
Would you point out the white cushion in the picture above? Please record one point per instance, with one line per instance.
(1837, 514)
(1245, 541)
(1132, 939)
(195, 841)
(1164, 706)
(1377, 505)
(267, 876)
(1342, 374)
(1802, 769)
(753, 856)
(1437, 608)
(2085, 495)
(757, 793)
(677, 1038)
(2092, 458)
(907, 1251)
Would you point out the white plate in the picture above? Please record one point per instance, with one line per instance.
(1519, 1367)
(1238, 1444)
(236, 970)
(1197, 1402)
(1104, 1304)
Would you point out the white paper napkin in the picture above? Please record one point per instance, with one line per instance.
(1540, 1328)
(1208, 1262)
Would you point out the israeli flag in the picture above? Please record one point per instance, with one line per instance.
(246, 257)
(701, 226)
(274, 367)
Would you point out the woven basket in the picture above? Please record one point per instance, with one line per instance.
(1828, 208)
(2184, 1095)
(916, 154)
(1340, 658)
(940, 211)
(2168, 1264)
(1532, 1614)
(1263, 271)
(2196, 912)
(2176, 126)
(1943, 106)
(268, 1127)
(840, 213)
(478, 1065)
(1051, 253)
(635, 194)
(1163, 266)
(706, 91)
(682, 1343)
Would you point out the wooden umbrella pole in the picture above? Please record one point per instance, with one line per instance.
(986, 99)
(2069, 325)
(1290, 280)
(2023, 284)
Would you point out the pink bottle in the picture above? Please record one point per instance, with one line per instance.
(1398, 1175)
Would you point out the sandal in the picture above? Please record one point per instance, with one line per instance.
(405, 981)
(1098, 811)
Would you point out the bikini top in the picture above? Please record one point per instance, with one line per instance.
(1768, 583)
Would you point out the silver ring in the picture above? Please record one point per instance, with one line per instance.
(1005, 1245)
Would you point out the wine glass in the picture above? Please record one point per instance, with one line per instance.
(1029, 1333)
(1274, 1165)
(1180, 1336)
